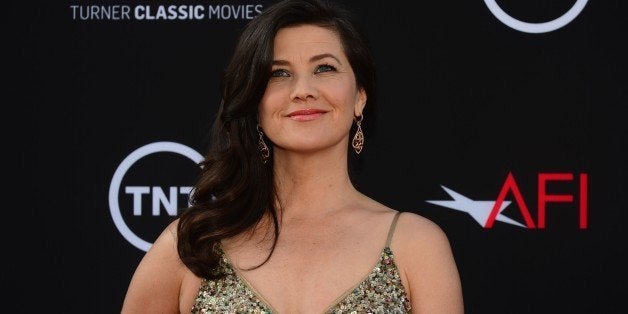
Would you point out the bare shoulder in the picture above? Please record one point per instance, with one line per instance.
(427, 266)
(415, 231)
(156, 282)
(166, 243)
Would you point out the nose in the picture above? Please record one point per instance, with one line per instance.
(303, 88)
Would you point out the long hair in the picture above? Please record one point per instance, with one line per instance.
(235, 189)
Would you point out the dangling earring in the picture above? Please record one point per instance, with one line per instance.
(358, 138)
(263, 148)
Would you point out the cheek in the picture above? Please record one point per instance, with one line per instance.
(344, 98)
(269, 105)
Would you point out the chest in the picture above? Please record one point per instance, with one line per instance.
(313, 268)
(308, 272)
(378, 289)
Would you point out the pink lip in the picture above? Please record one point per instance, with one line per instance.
(306, 114)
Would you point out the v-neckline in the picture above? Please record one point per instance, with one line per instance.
(267, 304)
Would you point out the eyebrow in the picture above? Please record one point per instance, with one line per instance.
(312, 59)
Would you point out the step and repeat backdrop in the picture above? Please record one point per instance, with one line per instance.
(501, 121)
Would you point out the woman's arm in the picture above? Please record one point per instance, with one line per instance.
(427, 261)
(156, 283)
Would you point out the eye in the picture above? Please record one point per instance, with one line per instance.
(325, 68)
(279, 73)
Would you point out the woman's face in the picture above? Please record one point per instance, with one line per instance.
(311, 97)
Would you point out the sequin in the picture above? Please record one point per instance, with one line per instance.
(380, 292)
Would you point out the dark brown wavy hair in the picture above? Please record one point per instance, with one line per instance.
(235, 189)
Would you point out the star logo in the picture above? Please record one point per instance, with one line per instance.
(479, 210)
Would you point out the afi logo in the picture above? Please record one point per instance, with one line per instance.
(486, 212)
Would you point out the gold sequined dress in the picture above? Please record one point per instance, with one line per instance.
(379, 292)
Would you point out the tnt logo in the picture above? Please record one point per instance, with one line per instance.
(148, 188)
(487, 212)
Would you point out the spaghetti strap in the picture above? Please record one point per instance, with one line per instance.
(393, 224)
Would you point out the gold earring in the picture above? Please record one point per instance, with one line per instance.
(263, 148)
(358, 138)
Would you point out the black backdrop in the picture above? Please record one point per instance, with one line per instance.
(465, 100)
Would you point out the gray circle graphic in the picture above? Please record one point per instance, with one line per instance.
(536, 27)
(125, 165)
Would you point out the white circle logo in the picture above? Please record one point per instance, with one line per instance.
(116, 181)
(536, 27)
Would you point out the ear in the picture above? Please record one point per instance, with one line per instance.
(360, 102)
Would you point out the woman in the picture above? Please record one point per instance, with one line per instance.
(276, 224)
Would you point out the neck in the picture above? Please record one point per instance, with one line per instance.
(311, 186)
